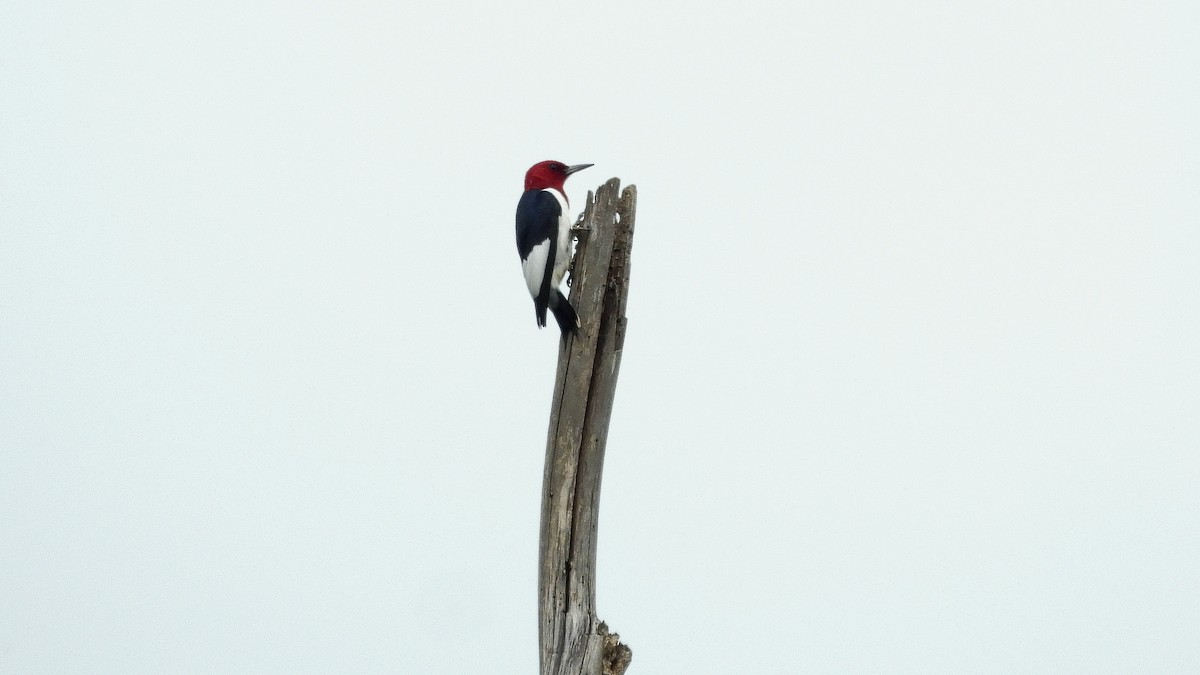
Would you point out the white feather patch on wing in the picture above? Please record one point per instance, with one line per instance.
(535, 267)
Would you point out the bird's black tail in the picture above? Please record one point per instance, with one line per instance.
(564, 313)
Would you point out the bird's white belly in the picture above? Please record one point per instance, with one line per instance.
(562, 256)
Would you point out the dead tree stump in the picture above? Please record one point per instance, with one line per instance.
(572, 639)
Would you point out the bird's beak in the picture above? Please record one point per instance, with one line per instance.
(577, 167)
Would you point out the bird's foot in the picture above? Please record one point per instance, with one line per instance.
(579, 225)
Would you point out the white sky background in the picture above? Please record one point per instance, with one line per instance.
(912, 381)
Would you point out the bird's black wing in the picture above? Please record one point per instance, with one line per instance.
(537, 220)
(537, 243)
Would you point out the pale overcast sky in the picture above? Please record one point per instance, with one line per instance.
(911, 384)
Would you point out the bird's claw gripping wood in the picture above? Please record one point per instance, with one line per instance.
(580, 226)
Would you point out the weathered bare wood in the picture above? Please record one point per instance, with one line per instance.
(572, 639)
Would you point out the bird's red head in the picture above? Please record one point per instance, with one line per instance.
(550, 174)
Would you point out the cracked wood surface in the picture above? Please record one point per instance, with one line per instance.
(571, 637)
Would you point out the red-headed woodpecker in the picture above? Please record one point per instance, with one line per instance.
(544, 240)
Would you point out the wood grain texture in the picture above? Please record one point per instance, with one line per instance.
(572, 639)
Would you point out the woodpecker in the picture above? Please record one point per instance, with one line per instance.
(544, 240)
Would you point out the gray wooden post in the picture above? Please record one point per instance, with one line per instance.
(571, 638)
